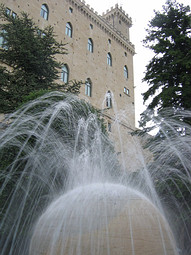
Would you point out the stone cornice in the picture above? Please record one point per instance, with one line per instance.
(103, 24)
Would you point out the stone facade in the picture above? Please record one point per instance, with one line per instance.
(108, 68)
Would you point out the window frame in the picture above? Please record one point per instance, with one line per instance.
(108, 99)
(70, 10)
(126, 91)
(109, 59)
(44, 12)
(65, 74)
(109, 126)
(90, 45)
(3, 41)
(8, 11)
(125, 72)
(68, 30)
(14, 15)
(88, 87)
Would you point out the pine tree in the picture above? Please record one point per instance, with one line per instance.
(168, 73)
(28, 60)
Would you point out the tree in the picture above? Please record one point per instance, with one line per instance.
(169, 78)
(28, 59)
(168, 73)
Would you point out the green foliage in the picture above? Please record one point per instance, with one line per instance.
(168, 73)
(28, 59)
(34, 94)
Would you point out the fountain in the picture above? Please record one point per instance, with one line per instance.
(63, 191)
(102, 219)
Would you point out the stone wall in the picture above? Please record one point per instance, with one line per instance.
(109, 34)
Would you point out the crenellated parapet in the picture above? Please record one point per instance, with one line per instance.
(118, 11)
(108, 22)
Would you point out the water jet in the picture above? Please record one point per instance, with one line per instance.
(102, 219)
(64, 192)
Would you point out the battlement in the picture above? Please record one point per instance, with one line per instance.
(108, 11)
(115, 21)
(120, 13)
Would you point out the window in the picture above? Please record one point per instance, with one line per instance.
(109, 126)
(109, 59)
(69, 29)
(90, 45)
(125, 53)
(109, 41)
(14, 15)
(3, 41)
(70, 10)
(40, 33)
(44, 11)
(88, 88)
(65, 74)
(125, 72)
(108, 99)
(126, 91)
(8, 11)
(91, 26)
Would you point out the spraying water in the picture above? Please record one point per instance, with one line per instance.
(63, 190)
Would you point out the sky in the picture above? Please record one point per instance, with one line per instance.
(141, 12)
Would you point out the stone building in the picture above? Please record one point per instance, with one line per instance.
(99, 53)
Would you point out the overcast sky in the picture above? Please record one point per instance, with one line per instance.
(141, 13)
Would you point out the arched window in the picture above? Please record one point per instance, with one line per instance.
(109, 59)
(108, 99)
(90, 45)
(88, 87)
(125, 72)
(3, 41)
(69, 29)
(65, 74)
(44, 11)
